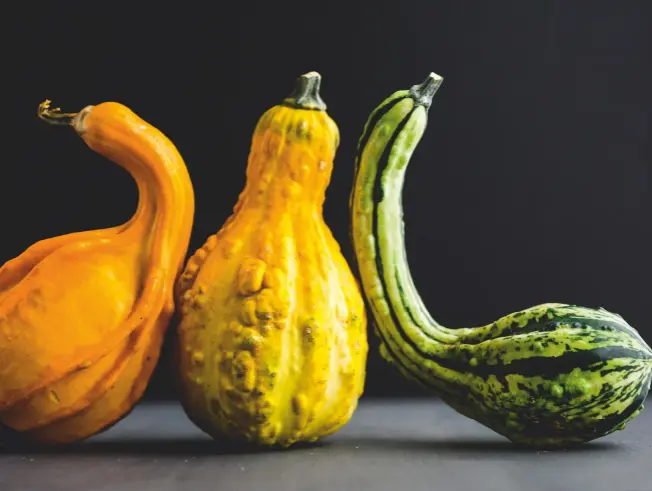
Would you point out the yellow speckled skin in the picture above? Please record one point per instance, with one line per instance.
(272, 340)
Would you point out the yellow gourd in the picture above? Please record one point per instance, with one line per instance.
(83, 315)
(272, 340)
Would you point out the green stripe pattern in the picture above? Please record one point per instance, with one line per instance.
(547, 376)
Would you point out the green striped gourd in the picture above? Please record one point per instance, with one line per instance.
(550, 375)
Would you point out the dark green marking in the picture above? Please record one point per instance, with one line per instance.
(550, 375)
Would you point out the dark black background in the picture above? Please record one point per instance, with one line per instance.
(531, 185)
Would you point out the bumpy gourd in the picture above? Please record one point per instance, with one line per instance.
(272, 336)
(549, 375)
(83, 315)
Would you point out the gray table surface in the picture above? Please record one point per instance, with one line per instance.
(397, 445)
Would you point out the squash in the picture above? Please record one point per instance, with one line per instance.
(550, 375)
(272, 328)
(83, 315)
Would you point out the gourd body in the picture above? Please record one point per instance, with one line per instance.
(272, 337)
(83, 315)
(550, 375)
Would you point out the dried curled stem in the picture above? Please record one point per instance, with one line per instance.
(54, 115)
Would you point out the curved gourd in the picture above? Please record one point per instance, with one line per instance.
(83, 315)
(549, 375)
(272, 336)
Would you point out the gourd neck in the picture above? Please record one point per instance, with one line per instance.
(285, 183)
(420, 347)
(163, 219)
(377, 212)
(292, 151)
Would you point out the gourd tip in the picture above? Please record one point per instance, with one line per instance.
(436, 77)
(312, 74)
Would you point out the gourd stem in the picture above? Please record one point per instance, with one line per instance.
(424, 92)
(306, 93)
(54, 115)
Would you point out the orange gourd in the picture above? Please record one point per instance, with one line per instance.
(272, 339)
(83, 315)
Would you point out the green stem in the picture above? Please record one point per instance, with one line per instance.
(306, 93)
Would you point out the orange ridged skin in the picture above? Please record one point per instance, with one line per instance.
(83, 315)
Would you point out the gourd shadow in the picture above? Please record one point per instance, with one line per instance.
(200, 446)
(450, 446)
(127, 447)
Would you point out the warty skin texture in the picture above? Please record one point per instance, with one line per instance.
(83, 315)
(550, 375)
(272, 339)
